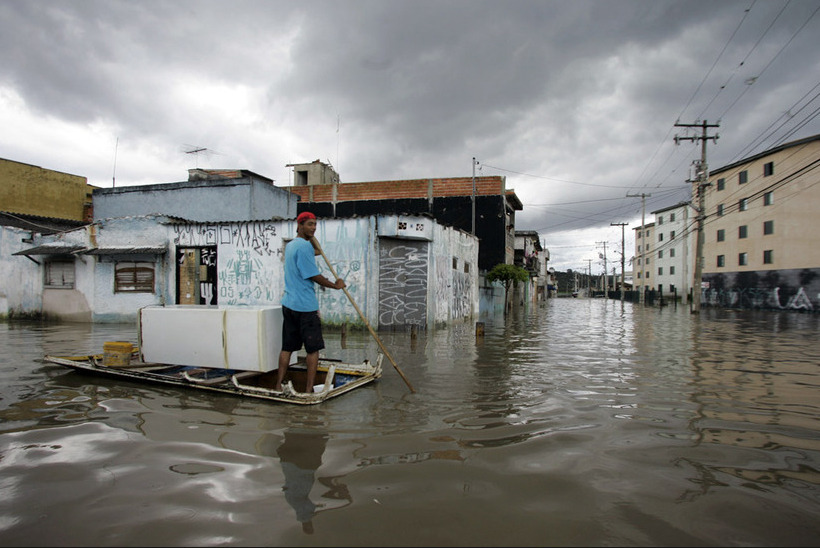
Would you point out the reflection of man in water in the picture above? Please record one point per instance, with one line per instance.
(301, 454)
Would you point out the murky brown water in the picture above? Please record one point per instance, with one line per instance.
(580, 422)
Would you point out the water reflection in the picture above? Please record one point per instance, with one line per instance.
(301, 455)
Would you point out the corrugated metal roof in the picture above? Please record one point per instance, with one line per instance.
(55, 249)
(135, 250)
(38, 223)
(51, 249)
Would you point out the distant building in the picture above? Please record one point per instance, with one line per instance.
(761, 235)
(762, 230)
(643, 263)
(530, 256)
(673, 249)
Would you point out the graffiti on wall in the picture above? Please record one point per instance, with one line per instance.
(258, 237)
(246, 279)
(754, 297)
(343, 249)
(462, 291)
(249, 257)
(403, 266)
(774, 290)
(243, 253)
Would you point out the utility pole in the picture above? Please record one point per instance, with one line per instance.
(643, 198)
(474, 164)
(606, 282)
(702, 181)
(589, 277)
(623, 257)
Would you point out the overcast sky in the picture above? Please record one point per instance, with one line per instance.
(574, 102)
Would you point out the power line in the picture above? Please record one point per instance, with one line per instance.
(776, 55)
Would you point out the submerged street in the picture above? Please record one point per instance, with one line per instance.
(576, 422)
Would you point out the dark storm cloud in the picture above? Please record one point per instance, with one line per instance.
(574, 102)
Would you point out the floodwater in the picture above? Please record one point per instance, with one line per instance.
(577, 422)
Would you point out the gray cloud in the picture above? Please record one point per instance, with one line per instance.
(574, 102)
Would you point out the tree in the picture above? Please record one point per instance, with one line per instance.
(507, 274)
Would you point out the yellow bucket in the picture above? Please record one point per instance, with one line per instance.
(117, 354)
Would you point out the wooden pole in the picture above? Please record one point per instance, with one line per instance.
(372, 332)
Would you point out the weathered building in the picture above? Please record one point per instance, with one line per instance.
(32, 190)
(207, 195)
(400, 270)
(531, 256)
(33, 200)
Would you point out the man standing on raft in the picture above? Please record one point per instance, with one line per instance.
(301, 324)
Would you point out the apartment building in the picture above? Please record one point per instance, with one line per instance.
(674, 243)
(642, 261)
(762, 230)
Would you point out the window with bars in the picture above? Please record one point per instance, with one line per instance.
(133, 277)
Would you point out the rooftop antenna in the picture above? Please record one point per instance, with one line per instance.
(196, 151)
(114, 173)
(338, 138)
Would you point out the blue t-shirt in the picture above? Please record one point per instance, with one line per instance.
(300, 267)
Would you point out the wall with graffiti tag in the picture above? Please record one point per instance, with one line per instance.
(797, 289)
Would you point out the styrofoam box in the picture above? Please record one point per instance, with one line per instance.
(246, 338)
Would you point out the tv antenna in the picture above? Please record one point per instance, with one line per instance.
(196, 151)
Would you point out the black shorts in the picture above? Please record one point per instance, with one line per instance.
(301, 328)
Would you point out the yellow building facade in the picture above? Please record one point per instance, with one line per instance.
(32, 190)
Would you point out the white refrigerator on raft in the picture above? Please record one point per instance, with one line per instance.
(247, 338)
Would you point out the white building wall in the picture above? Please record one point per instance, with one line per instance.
(672, 253)
(249, 266)
(21, 282)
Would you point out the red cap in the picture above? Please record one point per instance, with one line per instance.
(304, 216)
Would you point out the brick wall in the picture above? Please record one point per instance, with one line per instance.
(400, 189)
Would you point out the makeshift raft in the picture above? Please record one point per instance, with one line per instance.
(333, 377)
